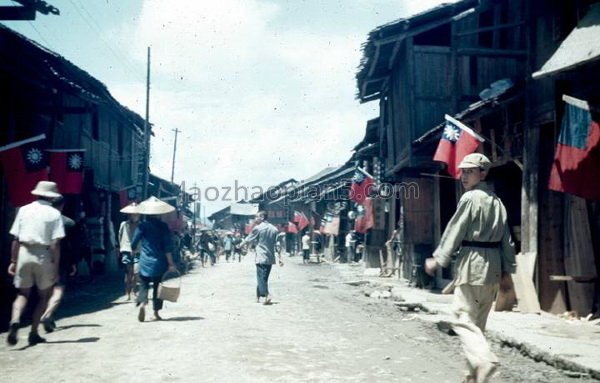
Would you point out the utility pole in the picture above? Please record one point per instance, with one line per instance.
(147, 131)
(174, 151)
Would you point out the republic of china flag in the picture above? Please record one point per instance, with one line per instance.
(24, 163)
(66, 169)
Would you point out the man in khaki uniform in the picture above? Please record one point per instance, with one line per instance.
(486, 258)
(35, 256)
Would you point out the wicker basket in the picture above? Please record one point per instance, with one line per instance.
(169, 293)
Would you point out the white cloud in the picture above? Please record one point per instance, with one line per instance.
(256, 103)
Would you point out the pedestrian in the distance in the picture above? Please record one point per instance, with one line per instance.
(227, 246)
(305, 248)
(265, 236)
(350, 242)
(485, 261)
(35, 255)
(155, 253)
(128, 255)
(67, 268)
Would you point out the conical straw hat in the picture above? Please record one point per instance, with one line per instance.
(154, 206)
(132, 208)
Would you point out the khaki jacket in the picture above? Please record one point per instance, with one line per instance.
(480, 216)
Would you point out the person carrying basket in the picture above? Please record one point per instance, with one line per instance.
(155, 253)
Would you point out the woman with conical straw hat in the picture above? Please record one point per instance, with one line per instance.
(155, 253)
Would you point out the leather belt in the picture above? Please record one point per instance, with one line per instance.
(34, 245)
(485, 245)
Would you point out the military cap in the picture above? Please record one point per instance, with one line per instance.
(475, 160)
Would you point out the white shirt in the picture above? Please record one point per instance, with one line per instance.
(349, 240)
(126, 231)
(306, 242)
(38, 223)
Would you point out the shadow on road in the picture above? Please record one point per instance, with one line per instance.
(92, 339)
(60, 328)
(91, 297)
(181, 319)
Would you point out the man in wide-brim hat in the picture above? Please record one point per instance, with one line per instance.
(155, 253)
(35, 256)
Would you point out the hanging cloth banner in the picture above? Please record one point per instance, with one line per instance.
(66, 169)
(576, 163)
(25, 163)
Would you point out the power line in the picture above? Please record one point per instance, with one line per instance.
(39, 34)
(88, 19)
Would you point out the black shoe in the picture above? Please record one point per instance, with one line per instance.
(35, 338)
(12, 339)
(49, 325)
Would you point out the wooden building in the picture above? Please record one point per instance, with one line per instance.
(563, 229)
(474, 61)
(420, 69)
(43, 93)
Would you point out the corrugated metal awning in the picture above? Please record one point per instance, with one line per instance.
(580, 47)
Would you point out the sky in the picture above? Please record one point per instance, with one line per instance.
(261, 90)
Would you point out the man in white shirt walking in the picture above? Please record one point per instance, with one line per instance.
(35, 256)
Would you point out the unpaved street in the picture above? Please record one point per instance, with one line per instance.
(319, 329)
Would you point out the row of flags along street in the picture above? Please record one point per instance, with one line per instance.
(28, 161)
(576, 162)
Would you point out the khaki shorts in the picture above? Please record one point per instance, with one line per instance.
(34, 267)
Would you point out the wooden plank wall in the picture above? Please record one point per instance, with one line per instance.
(579, 255)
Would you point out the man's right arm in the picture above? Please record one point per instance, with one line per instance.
(14, 256)
(55, 255)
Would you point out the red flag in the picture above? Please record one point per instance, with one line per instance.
(24, 163)
(364, 220)
(361, 187)
(576, 165)
(332, 224)
(457, 141)
(66, 169)
(301, 219)
(291, 228)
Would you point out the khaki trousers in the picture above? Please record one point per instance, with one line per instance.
(472, 306)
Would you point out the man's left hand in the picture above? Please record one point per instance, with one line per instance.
(506, 283)
(430, 266)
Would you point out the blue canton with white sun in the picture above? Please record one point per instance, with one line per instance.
(451, 132)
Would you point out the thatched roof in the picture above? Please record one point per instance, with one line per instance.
(383, 43)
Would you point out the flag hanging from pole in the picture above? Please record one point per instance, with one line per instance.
(361, 186)
(364, 219)
(332, 224)
(457, 141)
(291, 228)
(25, 163)
(301, 219)
(66, 169)
(576, 165)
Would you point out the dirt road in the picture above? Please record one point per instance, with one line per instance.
(319, 329)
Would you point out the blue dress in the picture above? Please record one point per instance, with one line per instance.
(155, 239)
